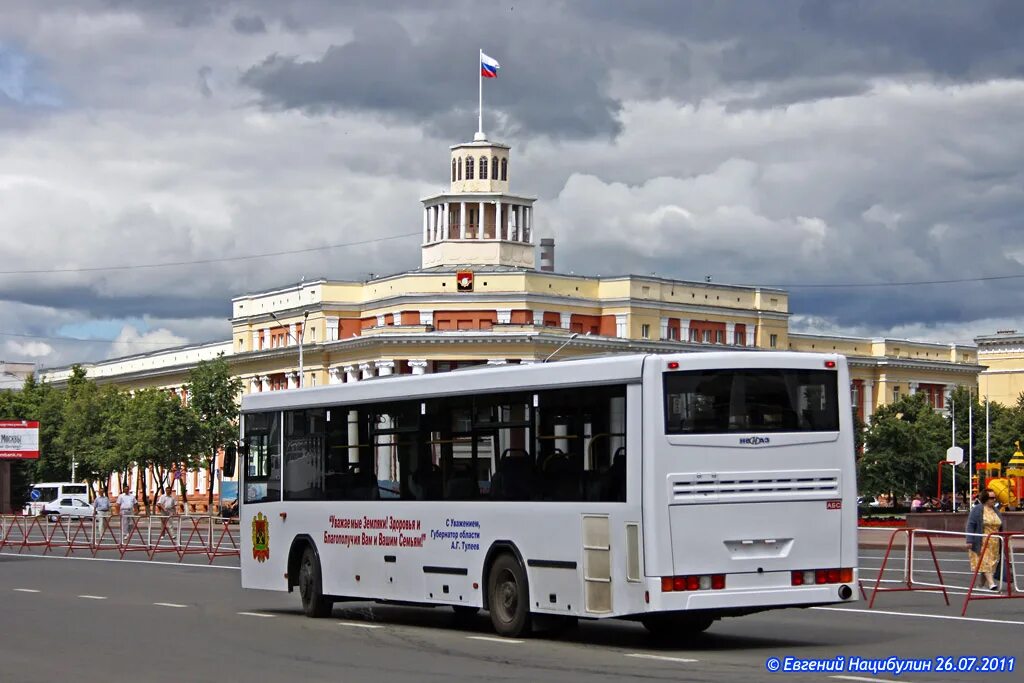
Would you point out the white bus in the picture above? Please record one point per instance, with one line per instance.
(671, 489)
(47, 492)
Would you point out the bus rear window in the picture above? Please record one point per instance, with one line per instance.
(757, 400)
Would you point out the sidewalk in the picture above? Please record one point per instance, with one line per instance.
(878, 538)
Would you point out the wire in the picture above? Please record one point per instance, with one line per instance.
(225, 259)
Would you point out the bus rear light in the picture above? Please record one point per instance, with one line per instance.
(821, 576)
(830, 364)
(679, 584)
(673, 365)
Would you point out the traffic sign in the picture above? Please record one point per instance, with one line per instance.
(36, 494)
(955, 455)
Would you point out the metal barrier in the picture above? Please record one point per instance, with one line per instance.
(908, 568)
(151, 534)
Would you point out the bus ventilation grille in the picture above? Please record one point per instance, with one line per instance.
(754, 487)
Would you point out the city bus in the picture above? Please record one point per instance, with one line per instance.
(48, 492)
(669, 489)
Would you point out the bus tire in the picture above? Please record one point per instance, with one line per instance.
(311, 587)
(676, 626)
(509, 597)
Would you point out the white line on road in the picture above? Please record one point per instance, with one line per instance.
(662, 658)
(256, 614)
(111, 559)
(356, 624)
(1003, 622)
(26, 590)
(509, 641)
(168, 604)
(93, 597)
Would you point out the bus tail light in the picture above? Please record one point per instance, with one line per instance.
(808, 577)
(679, 584)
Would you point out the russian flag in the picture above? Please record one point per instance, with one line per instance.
(488, 66)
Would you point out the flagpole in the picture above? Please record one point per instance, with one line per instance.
(480, 109)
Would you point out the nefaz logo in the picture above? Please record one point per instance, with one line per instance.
(833, 505)
(754, 441)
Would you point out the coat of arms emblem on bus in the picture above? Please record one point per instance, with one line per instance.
(260, 538)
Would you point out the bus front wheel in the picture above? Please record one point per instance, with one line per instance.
(311, 587)
(509, 597)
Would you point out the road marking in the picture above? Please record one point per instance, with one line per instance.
(865, 678)
(111, 559)
(1003, 622)
(256, 614)
(509, 641)
(93, 597)
(662, 658)
(356, 624)
(26, 590)
(168, 604)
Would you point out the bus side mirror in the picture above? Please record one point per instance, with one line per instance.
(230, 456)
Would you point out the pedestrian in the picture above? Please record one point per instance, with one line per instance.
(915, 505)
(102, 508)
(168, 506)
(126, 503)
(983, 549)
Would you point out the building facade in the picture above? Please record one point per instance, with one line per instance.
(479, 298)
(1002, 353)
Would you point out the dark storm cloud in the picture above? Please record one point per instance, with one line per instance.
(248, 25)
(550, 86)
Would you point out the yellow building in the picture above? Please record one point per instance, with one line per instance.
(1002, 354)
(479, 297)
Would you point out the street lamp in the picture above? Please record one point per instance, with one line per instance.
(571, 337)
(302, 336)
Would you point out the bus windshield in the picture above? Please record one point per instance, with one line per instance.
(719, 401)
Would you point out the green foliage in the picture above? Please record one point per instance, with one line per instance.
(213, 396)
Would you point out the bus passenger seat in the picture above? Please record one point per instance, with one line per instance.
(514, 478)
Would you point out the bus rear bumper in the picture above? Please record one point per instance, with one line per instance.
(796, 596)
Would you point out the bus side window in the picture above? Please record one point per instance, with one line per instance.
(263, 464)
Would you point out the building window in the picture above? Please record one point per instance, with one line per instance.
(707, 336)
(453, 170)
(469, 168)
(460, 168)
(483, 168)
(494, 168)
(504, 169)
(773, 340)
(895, 394)
(719, 337)
(695, 335)
(645, 331)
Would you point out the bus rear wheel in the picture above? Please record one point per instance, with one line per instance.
(508, 597)
(311, 587)
(676, 626)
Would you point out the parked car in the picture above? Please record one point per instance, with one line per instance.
(67, 507)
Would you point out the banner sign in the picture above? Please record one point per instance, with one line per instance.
(19, 440)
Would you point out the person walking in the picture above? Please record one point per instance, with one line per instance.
(982, 549)
(126, 504)
(102, 507)
(168, 506)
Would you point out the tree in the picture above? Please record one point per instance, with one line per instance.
(904, 444)
(213, 396)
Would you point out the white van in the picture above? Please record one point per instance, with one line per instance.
(48, 492)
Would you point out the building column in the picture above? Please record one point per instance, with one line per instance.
(504, 316)
(293, 380)
(419, 367)
(684, 330)
(426, 224)
(538, 318)
(513, 222)
(566, 320)
(445, 222)
(751, 331)
(913, 387)
(431, 223)
(292, 335)
(254, 384)
(462, 220)
(350, 373)
(528, 224)
(380, 320)
(869, 403)
(426, 317)
(480, 221)
(366, 369)
(497, 361)
(265, 383)
(334, 376)
(499, 228)
(266, 337)
(730, 333)
(385, 367)
(255, 340)
(664, 328)
(946, 394)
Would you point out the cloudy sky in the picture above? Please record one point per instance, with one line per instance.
(833, 148)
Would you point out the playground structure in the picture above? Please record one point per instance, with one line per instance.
(1009, 488)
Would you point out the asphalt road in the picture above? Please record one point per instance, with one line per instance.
(71, 619)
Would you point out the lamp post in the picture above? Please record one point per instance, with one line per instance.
(302, 336)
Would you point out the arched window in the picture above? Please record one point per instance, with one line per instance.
(453, 170)
(504, 169)
(460, 168)
(483, 168)
(494, 167)
(469, 168)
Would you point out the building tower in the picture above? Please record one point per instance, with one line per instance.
(478, 222)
